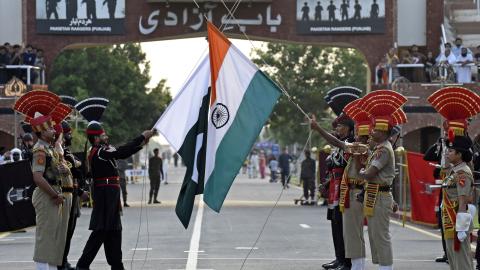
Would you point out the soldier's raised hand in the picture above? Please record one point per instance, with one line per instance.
(148, 134)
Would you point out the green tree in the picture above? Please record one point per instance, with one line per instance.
(307, 73)
(119, 73)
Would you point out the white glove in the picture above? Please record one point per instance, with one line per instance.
(471, 209)
(463, 222)
(461, 236)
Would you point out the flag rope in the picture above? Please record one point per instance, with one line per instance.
(146, 207)
(141, 215)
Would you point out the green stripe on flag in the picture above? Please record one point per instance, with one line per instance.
(186, 197)
(254, 110)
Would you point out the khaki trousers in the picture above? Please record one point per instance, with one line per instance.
(379, 230)
(353, 228)
(459, 260)
(52, 224)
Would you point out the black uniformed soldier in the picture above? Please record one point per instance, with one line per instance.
(155, 173)
(307, 175)
(27, 142)
(122, 165)
(437, 153)
(105, 219)
(77, 191)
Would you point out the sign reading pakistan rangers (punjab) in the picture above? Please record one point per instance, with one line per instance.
(317, 17)
(81, 17)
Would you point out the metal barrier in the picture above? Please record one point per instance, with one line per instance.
(442, 72)
(390, 73)
(29, 69)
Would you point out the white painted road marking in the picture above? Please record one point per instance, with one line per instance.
(246, 248)
(195, 240)
(472, 246)
(305, 226)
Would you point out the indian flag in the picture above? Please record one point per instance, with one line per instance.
(242, 98)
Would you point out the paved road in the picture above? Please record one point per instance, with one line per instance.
(295, 237)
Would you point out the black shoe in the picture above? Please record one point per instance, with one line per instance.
(331, 265)
(343, 267)
(155, 201)
(67, 266)
(442, 259)
(125, 204)
(150, 201)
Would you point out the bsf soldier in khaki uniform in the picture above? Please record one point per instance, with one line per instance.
(51, 175)
(456, 105)
(352, 186)
(457, 221)
(384, 108)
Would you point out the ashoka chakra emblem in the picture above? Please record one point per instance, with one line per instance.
(220, 115)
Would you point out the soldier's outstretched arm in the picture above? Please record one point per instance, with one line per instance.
(127, 149)
(326, 135)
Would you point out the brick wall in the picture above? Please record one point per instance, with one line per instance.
(372, 46)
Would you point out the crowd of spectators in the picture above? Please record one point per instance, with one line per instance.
(20, 55)
(456, 63)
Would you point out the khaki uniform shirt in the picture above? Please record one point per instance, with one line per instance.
(42, 153)
(383, 158)
(460, 176)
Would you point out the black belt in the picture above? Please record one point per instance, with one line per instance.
(384, 188)
(114, 180)
(52, 182)
(337, 175)
(355, 186)
(67, 189)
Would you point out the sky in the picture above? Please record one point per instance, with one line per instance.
(174, 60)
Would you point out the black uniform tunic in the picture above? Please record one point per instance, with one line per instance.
(106, 188)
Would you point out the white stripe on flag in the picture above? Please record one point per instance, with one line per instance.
(182, 113)
(233, 80)
(198, 145)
